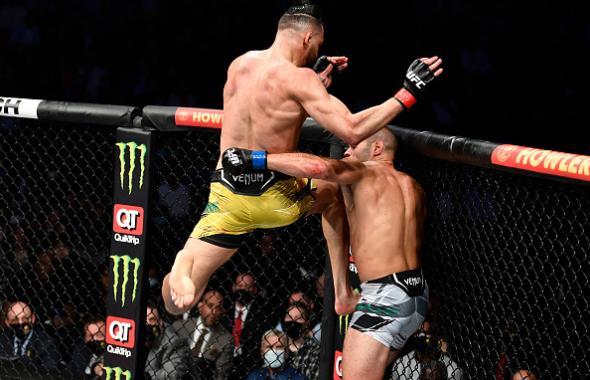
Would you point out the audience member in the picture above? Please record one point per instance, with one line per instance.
(87, 356)
(426, 350)
(304, 349)
(210, 344)
(248, 321)
(25, 340)
(275, 355)
(168, 353)
(524, 374)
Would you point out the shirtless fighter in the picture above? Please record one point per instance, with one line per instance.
(385, 211)
(267, 96)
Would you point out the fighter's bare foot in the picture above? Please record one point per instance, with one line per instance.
(182, 290)
(345, 304)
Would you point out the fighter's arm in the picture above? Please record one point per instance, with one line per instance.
(333, 115)
(307, 165)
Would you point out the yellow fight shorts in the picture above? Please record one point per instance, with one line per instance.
(239, 204)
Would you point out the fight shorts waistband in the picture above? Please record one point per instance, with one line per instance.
(411, 281)
(254, 182)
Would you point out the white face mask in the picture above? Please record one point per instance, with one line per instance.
(274, 358)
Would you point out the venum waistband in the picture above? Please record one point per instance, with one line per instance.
(411, 281)
(254, 182)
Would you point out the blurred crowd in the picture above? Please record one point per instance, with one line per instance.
(501, 73)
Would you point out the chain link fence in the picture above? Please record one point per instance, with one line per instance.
(275, 267)
(55, 213)
(505, 257)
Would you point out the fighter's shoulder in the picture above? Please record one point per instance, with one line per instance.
(409, 183)
(246, 60)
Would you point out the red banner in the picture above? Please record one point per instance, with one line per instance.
(543, 161)
(198, 117)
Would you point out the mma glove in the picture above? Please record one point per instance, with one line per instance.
(238, 160)
(321, 64)
(416, 81)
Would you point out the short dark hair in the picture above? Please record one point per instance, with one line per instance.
(301, 14)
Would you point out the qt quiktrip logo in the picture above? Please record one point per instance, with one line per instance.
(338, 365)
(120, 335)
(127, 223)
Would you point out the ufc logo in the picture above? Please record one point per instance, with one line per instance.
(120, 332)
(6, 105)
(233, 157)
(128, 219)
(413, 77)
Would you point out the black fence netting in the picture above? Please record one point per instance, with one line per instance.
(506, 258)
(56, 186)
(274, 273)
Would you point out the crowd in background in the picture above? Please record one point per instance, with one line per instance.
(506, 80)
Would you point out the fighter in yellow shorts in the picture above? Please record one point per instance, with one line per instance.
(266, 98)
(240, 203)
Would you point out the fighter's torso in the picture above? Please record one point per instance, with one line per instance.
(259, 110)
(385, 213)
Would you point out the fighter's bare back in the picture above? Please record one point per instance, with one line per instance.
(386, 212)
(260, 111)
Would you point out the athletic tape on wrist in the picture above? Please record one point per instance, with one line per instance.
(259, 159)
(405, 98)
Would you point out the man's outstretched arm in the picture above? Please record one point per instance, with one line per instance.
(294, 164)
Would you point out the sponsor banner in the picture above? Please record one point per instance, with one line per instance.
(543, 161)
(117, 373)
(120, 332)
(125, 278)
(338, 365)
(128, 219)
(19, 107)
(126, 304)
(132, 159)
(198, 117)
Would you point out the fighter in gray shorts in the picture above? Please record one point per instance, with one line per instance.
(391, 308)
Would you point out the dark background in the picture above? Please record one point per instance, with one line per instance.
(515, 72)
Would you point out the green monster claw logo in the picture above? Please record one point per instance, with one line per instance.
(343, 321)
(126, 261)
(118, 373)
(133, 147)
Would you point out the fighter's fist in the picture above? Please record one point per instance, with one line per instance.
(324, 67)
(237, 160)
(419, 75)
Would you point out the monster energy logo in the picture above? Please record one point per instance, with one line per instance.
(133, 148)
(118, 373)
(343, 321)
(125, 260)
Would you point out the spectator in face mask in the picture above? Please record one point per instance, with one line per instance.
(249, 319)
(168, 353)
(87, 357)
(25, 340)
(274, 352)
(304, 349)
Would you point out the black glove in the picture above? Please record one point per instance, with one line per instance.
(417, 79)
(237, 160)
(321, 64)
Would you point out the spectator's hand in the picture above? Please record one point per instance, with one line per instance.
(98, 369)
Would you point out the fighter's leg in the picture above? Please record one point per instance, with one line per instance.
(193, 266)
(363, 357)
(335, 227)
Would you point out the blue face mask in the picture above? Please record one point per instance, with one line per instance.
(274, 358)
